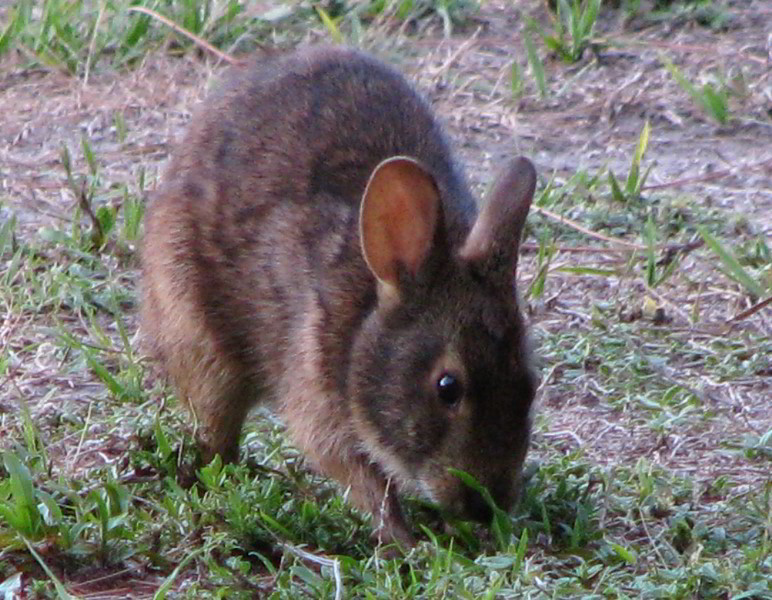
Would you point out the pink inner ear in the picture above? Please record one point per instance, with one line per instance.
(398, 218)
(412, 223)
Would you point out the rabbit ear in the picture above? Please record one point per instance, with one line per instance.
(397, 220)
(495, 237)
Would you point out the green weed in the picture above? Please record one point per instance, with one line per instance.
(732, 266)
(713, 99)
(635, 179)
(547, 251)
(331, 24)
(574, 28)
(536, 64)
(74, 523)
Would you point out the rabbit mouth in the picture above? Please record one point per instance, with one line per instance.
(462, 501)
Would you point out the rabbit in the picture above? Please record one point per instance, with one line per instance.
(314, 246)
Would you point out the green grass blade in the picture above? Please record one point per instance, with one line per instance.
(712, 101)
(16, 25)
(7, 230)
(61, 591)
(14, 266)
(537, 67)
(685, 84)
(650, 238)
(643, 143)
(22, 488)
(522, 546)
(330, 24)
(623, 553)
(404, 9)
(164, 447)
(589, 16)
(133, 209)
(501, 525)
(734, 269)
(516, 83)
(715, 103)
(112, 384)
(138, 30)
(616, 191)
(563, 12)
(644, 177)
(633, 183)
(88, 153)
(571, 17)
(167, 584)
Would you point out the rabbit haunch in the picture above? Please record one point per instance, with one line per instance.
(314, 245)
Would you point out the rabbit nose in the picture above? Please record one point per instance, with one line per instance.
(475, 506)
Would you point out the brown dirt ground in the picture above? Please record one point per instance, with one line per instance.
(595, 122)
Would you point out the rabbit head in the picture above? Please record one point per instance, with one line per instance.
(440, 376)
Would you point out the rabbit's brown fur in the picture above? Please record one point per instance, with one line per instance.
(270, 273)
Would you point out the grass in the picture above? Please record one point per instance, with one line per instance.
(706, 13)
(714, 100)
(649, 468)
(582, 527)
(573, 28)
(635, 179)
(78, 36)
(349, 21)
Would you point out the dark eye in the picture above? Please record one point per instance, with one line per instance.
(449, 389)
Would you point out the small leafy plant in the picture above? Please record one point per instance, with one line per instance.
(32, 512)
(574, 28)
(635, 180)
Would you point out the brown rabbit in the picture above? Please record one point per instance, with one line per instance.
(315, 246)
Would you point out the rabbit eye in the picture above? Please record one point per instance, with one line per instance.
(449, 389)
